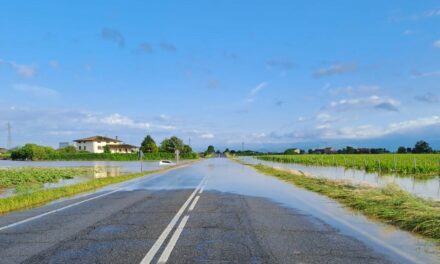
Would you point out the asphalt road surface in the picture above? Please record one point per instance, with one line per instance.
(214, 211)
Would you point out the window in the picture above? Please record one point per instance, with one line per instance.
(84, 147)
(79, 147)
(99, 147)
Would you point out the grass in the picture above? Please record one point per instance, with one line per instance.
(402, 164)
(40, 197)
(389, 204)
(33, 177)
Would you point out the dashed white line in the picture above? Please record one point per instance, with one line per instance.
(191, 207)
(173, 240)
(156, 246)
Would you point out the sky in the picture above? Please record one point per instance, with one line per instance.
(272, 74)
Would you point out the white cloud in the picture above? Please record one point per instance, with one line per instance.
(119, 120)
(54, 64)
(436, 44)
(417, 74)
(338, 68)
(25, 71)
(371, 131)
(371, 102)
(408, 32)
(433, 12)
(353, 89)
(251, 96)
(35, 90)
(207, 136)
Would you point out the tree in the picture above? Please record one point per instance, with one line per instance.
(187, 149)
(67, 149)
(148, 145)
(401, 150)
(422, 147)
(107, 149)
(171, 144)
(292, 151)
(210, 149)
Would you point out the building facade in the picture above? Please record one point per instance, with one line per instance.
(96, 144)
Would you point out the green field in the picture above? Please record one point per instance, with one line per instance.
(24, 178)
(404, 164)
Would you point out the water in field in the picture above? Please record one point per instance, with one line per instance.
(426, 188)
(102, 169)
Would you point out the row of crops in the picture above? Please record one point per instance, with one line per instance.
(424, 164)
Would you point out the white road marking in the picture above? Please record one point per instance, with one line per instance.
(173, 240)
(201, 190)
(156, 246)
(191, 207)
(55, 211)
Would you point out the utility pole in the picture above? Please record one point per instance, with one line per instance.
(9, 127)
(189, 142)
(242, 146)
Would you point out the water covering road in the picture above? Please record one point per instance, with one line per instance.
(208, 212)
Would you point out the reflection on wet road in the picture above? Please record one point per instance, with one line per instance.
(212, 211)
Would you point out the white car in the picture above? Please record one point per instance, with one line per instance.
(166, 163)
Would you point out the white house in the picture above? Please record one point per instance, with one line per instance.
(96, 144)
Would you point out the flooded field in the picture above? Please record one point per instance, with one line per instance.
(428, 188)
(100, 169)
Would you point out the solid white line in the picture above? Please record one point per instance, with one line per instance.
(156, 246)
(201, 190)
(173, 240)
(191, 207)
(55, 211)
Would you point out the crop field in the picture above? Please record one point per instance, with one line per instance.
(25, 177)
(403, 164)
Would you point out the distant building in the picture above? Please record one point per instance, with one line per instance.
(96, 144)
(3, 150)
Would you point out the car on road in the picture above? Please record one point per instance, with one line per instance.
(166, 163)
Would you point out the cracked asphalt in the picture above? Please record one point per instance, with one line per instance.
(224, 226)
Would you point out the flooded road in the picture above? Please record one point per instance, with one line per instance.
(226, 212)
(428, 188)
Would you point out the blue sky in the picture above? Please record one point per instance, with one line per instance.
(272, 74)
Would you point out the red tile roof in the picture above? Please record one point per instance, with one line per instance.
(98, 138)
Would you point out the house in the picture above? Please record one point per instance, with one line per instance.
(96, 144)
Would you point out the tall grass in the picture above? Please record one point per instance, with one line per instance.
(417, 164)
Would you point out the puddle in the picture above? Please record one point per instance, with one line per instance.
(425, 188)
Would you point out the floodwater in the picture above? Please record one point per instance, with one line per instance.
(426, 188)
(225, 176)
(102, 169)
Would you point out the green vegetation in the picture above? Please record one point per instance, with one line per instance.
(36, 152)
(419, 164)
(390, 204)
(39, 197)
(33, 178)
(148, 145)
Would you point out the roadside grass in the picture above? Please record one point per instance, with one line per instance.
(40, 197)
(389, 204)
